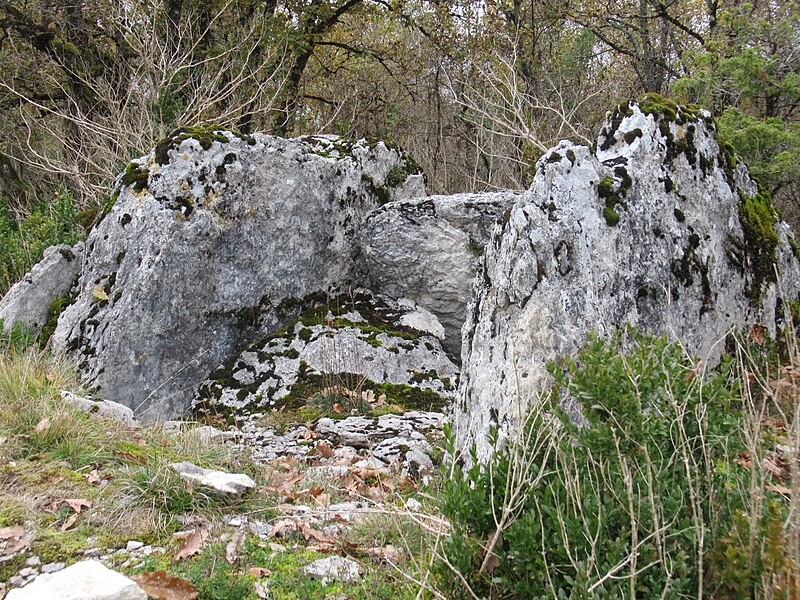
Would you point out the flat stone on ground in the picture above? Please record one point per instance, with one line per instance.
(333, 568)
(227, 483)
(86, 580)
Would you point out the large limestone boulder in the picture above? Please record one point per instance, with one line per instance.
(657, 228)
(212, 239)
(31, 301)
(429, 249)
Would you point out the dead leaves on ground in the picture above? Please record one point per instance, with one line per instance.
(193, 542)
(776, 468)
(76, 505)
(321, 542)
(160, 586)
(388, 554)
(14, 538)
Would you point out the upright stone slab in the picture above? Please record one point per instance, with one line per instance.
(211, 240)
(428, 250)
(657, 228)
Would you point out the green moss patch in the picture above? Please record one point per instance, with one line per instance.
(660, 107)
(205, 134)
(613, 190)
(136, 176)
(55, 309)
(758, 218)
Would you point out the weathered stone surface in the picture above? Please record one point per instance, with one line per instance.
(344, 346)
(86, 580)
(210, 241)
(367, 432)
(227, 483)
(333, 568)
(428, 250)
(650, 230)
(29, 300)
(103, 408)
(204, 434)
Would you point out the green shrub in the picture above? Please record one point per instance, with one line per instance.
(23, 241)
(627, 504)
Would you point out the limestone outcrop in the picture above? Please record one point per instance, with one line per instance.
(211, 241)
(657, 227)
(355, 344)
(429, 249)
(31, 301)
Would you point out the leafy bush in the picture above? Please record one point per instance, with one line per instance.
(23, 241)
(645, 498)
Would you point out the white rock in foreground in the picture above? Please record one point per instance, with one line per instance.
(227, 483)
(333, 568)
(86, 580)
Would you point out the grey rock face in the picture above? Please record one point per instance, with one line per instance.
(429, 249)
(650, 230)
(209, 242)
(28, 301)
(220, 481)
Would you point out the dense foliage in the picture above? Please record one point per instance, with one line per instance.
(650, 496)
(24, 240)
(475, 92)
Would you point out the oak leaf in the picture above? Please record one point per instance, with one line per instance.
(192, 544)
(160, 586)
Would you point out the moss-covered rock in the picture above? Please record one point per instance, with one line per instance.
(758, 218)
(351, 350)
(206, 135)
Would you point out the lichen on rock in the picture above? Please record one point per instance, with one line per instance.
(207, 237)
(657, 227)
(352, 346)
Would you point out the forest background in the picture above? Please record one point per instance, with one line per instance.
(474, 91)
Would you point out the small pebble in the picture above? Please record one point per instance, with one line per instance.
(16, 580)
(28, 572)
(147, 550)
(133, 546)
(413, 504)
(53, 567)
(92, 552)
(33, 561)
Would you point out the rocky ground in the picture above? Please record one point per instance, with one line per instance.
(331, 508)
